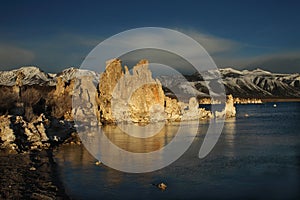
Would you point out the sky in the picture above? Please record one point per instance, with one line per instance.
(54, 35)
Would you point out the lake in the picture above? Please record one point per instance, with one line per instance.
(256, 157)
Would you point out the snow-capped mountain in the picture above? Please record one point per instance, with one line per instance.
(31, 76)
(260, 83)
(71, 73)
(34, 76)
(246, 84)
(256, 83)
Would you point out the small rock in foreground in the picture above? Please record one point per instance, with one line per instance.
(161, 186)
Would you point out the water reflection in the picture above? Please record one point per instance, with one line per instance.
(79, 163)
(229, 134)
(132, 154)
(77, 166)
(139, 145)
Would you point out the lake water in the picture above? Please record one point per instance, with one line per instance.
(257, 157)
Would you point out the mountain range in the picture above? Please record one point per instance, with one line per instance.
(244, 84)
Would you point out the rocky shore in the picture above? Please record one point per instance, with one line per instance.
(31, 175)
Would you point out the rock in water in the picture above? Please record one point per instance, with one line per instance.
(98, 163)
(229, 111)
(161, 186)
(230, 108)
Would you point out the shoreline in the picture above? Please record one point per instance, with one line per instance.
(30, 175)
(267, 100)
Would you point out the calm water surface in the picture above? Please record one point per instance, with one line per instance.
(256, 157)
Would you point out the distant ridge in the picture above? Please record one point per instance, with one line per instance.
(256, 83)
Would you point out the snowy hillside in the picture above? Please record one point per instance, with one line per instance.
(256, 83)
(31, 76)
(34, 76)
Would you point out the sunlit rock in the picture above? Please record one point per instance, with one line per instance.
(172, 109)
(7, 136)
(230, 108)
(132, 97)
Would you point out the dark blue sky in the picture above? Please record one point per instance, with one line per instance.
(245, 34)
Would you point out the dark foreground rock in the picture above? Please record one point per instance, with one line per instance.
(32, 175)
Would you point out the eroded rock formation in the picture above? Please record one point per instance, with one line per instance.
(7, 136)
(36, 115)
(229, 107)
(247, 101)
(60, 99)
(229, 111)
(137, 97)
(133, 97)
(39, 109)
(18, 135)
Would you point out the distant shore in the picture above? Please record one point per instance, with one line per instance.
(280, 100)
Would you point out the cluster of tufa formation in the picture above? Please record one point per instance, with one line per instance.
(247, 101)
(19, 135)
(129, 97)
(35, 116)
(124, 97)
(39, 109)
(208, 101)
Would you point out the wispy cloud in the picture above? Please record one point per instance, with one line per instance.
(226, 52)
(160, 39)
(77, 39)
(213, 44)
(63, 50)
(14, 56)
(50, 53)
(284, 62)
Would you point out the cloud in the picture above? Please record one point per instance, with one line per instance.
(226, 52)
(285, 62)
(81, 40)
(14, 56)
(157, 39)
(57, 52)
(212, 44)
